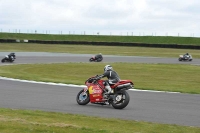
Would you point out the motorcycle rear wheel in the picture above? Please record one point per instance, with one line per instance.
(99, 60)
(83, 98)
(120, 100)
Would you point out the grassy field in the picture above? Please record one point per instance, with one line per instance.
(27, 121)
(101, 38)
(163, 77)
(109, 50)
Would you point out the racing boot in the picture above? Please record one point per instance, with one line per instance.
(107, 87)
(108, 90)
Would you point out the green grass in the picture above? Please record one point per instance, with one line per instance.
(103, 38)
(163, 77)
(109, 50)
(27, 121)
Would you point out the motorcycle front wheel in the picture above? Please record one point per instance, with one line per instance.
(120, 100)
(83, 98)
(3, 60)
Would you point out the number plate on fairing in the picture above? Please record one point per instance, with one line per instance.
(95, 90)
(95, 94)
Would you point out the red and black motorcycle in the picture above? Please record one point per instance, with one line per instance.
(94, 59)
(95, 93)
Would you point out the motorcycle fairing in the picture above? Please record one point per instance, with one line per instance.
(95, 90)
(95, 93)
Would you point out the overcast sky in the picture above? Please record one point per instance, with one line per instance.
(106, 17)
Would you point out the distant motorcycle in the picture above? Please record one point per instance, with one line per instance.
(96, 59)
(9, 58)
(185, 58)
(95, 93)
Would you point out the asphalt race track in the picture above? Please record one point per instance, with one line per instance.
(162, 107)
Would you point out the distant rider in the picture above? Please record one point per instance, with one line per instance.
(98, 56)
(112, 77)
(187, 55)
(11, 56)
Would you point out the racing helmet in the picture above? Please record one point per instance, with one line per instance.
(107, 68)
(187, 53)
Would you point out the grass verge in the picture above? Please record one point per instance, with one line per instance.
(162, 77)
(23, 121)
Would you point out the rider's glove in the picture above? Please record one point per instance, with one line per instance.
(99, 77)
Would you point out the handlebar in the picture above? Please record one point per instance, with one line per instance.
(92, 79)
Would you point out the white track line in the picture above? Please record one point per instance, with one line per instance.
(70, 85)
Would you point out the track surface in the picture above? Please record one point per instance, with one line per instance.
(170, 108)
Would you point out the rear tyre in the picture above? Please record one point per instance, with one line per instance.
(120, 100)
(83, 98)
(100, 59)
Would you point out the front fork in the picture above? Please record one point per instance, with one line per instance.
(85, 89)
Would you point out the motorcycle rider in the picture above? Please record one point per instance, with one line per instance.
(11, 56)
(187, 55)
(112, 76)
(98, 56)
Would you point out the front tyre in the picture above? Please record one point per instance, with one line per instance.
(120, 100)
(180, 59)
(3, 60)
(83, 98)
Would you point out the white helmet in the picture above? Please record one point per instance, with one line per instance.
(107, 68)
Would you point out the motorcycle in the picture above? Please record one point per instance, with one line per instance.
(95, 93)
(94, 59)
(185, 58)
(9, 59)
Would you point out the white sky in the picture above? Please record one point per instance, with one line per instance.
(108, 17)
